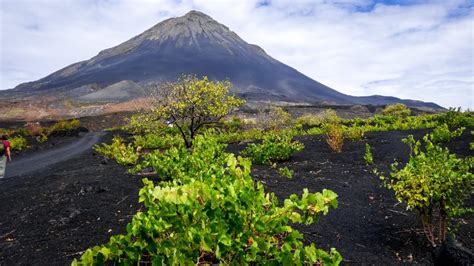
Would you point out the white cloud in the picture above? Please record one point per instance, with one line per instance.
(423, 50)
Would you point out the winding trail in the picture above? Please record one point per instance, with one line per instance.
(44, 159)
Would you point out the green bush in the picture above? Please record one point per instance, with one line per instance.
(368, 158)
(397, 110)
(443, 134)
(455, 118)
(286, 172)
(118, 150)
(144, 123)
(155, 141)
(171, 163)
(18, 143)
(64, 125)
(354, 133)
(309, 120)
(211, 211)
(274, 148)
(435, 183)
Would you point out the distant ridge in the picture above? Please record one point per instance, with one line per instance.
(192, 44)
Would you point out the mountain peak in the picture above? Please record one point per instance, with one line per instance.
(195, 13)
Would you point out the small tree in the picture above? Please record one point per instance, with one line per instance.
(190, 103)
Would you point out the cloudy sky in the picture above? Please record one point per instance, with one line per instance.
(416, 49)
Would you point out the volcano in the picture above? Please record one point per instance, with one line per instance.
(192, 44)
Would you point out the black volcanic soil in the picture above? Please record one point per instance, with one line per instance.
(49, 217)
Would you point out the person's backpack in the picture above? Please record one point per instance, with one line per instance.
(2, 149)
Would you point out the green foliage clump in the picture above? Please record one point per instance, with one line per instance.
(18, 143)
(211, 211)
(435, 183)
(309, 120)
(275, 147)
(368, 158)
(171, 163)
(64, 125)
(443, 134)
(398, 110)
(144, 123)
(286, 172)
(234, 124)
(155, 141)
(354, 133)
(455, 118)
(124, 154)
(42, 138)
(192, 103)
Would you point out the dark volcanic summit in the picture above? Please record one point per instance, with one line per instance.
(192, 44)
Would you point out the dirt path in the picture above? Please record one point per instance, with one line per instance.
(40, 160)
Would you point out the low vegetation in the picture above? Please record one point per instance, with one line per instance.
(335, 137)
(18, 143)
(368, 158)
(207, 208)
(275, 147)
(124, 154)
(435, 183)
(286, 172)
(211, 211)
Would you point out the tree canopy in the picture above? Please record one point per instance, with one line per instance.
(190, 103)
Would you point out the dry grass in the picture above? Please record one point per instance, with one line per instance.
(335, 137)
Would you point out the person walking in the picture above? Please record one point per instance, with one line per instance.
(5, 154)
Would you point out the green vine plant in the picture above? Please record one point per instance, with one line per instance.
(211, 211)
(124, 154)
(368, 158)
(435, 183)
(275, 147)
(286, 172)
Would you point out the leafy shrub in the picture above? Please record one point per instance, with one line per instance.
(212, 212)
(274, 148)
(64, 125)
(274, 118)
(335, 137)
(233, 124)
(328, 116)
(118, 150)
(455, 118)
(42, 138)
(155, 141)
(354, 133)
(309, 120)
(315, 131)
(368, 158)
(171, 163)
(144, 123)
(397, 110)
(18, 143)
(443, 134)
(286, 172)
(435, 183)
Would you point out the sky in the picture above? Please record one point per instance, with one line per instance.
(411, 49)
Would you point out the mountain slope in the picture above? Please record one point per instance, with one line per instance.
(197, 44)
